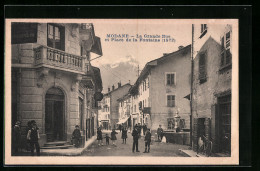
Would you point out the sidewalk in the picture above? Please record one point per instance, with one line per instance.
(65, 152)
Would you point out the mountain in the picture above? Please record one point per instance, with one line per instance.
(123, 72)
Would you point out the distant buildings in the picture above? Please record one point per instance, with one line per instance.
(211, 102)
(113, 104)
(104, 112)
(158, 94)
(125, 104)
(53, 81)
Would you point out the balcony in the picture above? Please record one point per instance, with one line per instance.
(58, 59)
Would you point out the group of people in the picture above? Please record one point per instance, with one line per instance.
(32, 138)
(136, 133)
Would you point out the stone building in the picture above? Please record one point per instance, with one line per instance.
(158, 94)
(53, 81)
(124, 109)
(104, 112)
(211, 102)
(114, 95)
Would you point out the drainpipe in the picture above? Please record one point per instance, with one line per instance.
(191, 83)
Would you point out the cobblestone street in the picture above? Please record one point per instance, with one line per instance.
(157, 148)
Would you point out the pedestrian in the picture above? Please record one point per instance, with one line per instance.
(124, 135)
(76, 136)
(144, 129)
(33, 136)
(139, 129)
(135, 135)
(99, 136)
(16, 139)
(120, 127)
(160, 133)
(147, 140)
(113, 136)
(107, 139)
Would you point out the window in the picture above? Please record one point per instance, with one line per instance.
(134, 108)
(56, 37)
(203, 28)
(170, 101)
(170, 79)
(226, 56)
(202, 68)
(24, 33)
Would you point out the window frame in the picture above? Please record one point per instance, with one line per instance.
(202, 78)
(166, 79)
(61, 36)
(224, 50)
(172, 95)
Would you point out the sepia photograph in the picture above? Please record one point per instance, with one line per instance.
(121, 91)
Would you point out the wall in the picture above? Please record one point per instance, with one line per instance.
(181, 65)
(218, 81)
(114, 96)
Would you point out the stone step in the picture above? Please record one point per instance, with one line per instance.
(56, 143)
(58, 147)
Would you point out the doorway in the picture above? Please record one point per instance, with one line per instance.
(54, 115)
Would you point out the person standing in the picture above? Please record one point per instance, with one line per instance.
(120, 127)
(144, 129)
(147, 140)
(107, 139)
(76, 136)
(33, 136)
(16, 138)
(135, 135)
(160, 132)
(99, 136)
(124, 135)
(113, 136)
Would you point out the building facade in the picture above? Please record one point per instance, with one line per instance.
(114, 95)
(124, 109)
(211, 101)
(104, 113)
(160, 90)
(53, 81)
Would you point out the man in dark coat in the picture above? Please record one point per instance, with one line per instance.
(160, 133)
(33, 136)
(16, 138)
(147, 140)
(124, 135)
(144, 129)
(135, 135)
(76, 136)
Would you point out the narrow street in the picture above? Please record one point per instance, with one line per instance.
(157, 148)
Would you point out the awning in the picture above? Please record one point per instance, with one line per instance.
(122, 120)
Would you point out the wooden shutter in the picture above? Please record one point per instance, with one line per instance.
(195, 134)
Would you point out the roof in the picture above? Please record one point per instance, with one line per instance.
(154, 63)
(124, 97)
(127, 84)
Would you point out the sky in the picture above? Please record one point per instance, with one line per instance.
(120, 59)
(139, 52)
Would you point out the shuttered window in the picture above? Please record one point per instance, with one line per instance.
(56, 37)
(170, 101)
(202, 68)
(226, 56)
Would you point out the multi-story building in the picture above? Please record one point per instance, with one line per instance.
(53, 81)
(158, 94)
(114, 95)
(124, 110)
(211, 102)
(104, 112)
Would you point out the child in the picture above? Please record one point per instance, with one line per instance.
(107, 139)
(33, 136)
(113, 136)
(76, 136)
(147, 140)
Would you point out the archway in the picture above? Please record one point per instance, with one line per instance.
(54, 115)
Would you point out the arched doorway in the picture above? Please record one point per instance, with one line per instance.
(54, 115)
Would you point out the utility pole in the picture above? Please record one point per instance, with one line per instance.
(191, 83)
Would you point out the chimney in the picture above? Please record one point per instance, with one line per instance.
(108, 89)
(119, 84)
(113, 87)
(180, 47)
